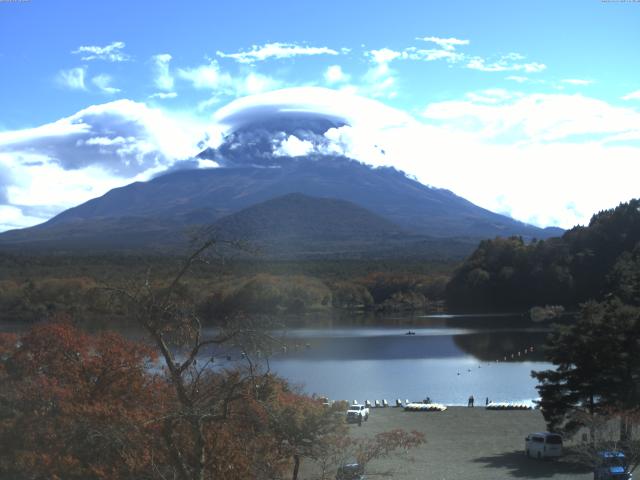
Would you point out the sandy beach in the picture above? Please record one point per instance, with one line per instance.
(463, 443)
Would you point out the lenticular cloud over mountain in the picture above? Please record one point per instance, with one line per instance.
(333, 105)
(305, 121)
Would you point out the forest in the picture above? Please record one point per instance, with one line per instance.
(38, 287)
(586, 263)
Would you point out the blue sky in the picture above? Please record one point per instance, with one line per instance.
(527, 108)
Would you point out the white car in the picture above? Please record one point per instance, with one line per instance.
(357, 413)
(543, 445)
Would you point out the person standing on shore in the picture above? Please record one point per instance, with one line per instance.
(470, 404)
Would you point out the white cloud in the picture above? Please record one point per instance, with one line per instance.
(542, 153)
(207, 76)
(222, 84)
(448, 52)
(294, 147)
(163, 78)
(506, 63)
(334, 74)
(380, 80)
(163, 95)
(124, 137)
(72, 78)
(61, 164)
(537, 117)
(49, 188)
(449, 44)
(491, 96)
(110, 53)
(517, 78)
(211, 77)
(276, 50)
(384, 55)
(13, 217)
(254, 83)
(105, 141)
(632, 96)
(577, 81)
(103, 82)
(430, 55)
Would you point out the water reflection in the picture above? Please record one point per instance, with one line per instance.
(448, 358)
(511, 345)
(393, 343)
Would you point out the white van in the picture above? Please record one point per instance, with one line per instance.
(543, 445)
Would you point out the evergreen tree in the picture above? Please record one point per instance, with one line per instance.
(597, 366)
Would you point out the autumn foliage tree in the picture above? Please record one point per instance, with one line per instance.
(77, 406)
(300, 423)
(74, 406)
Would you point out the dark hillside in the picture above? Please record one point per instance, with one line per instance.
(585, 263)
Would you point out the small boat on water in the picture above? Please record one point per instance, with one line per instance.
(410, 332)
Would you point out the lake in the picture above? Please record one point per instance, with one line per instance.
(448, 359)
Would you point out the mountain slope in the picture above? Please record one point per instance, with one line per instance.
(290, 226)
(203, 196)
(298, 216)
(156, 214)
(297, 225)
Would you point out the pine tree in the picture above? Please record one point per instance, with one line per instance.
(597, 363)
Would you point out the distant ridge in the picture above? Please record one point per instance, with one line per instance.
(156, 214)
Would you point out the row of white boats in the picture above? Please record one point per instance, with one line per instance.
(508, 406)
(439, 407)
(425, 407)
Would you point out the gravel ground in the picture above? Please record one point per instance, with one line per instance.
(463, 444)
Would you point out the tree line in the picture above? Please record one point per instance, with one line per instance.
(586, 263)
(32, 298)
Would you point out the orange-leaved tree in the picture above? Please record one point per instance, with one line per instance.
(300, 423)
(80, 407)
(75, 406)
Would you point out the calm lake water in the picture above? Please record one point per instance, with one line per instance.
(447, 359)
